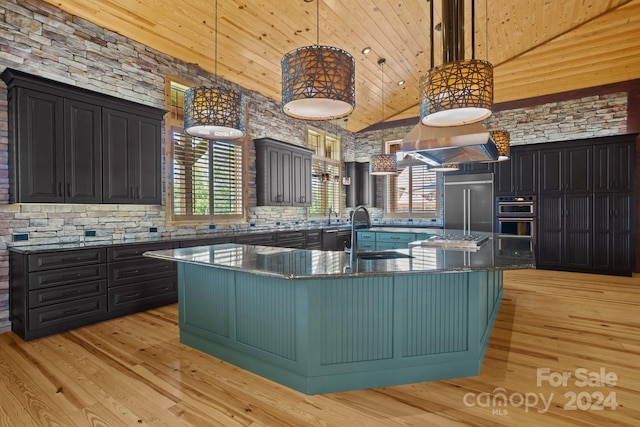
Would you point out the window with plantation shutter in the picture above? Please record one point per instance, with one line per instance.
(206, 179)
(325, 180)
(415, 190)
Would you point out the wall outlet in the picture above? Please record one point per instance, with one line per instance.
(20, 237)
(212, 226)
(153, 229)
(90, 233)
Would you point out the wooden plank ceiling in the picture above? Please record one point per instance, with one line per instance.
(538, 47)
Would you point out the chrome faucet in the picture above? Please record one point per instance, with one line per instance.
(331, 211)
(353, 253)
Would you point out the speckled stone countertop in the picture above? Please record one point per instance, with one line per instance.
(286, 263)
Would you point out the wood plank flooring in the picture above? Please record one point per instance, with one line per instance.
(133, 371)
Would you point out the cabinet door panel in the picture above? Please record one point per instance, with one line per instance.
(550, 235)
(525, 172)
(578, 225)
(622, 166)
(40, 151)
(118, 131)
(83, 156)
(623, 242)
(551, 171)
(602, 231)
(578, 174)
(147, 161)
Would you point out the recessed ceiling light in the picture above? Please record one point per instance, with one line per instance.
(366, 50)
(401, 82)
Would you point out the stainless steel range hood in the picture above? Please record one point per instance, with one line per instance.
(454, 144)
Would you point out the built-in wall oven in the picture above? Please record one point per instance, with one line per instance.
(516, 217)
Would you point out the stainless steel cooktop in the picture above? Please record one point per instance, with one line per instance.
(462, 241)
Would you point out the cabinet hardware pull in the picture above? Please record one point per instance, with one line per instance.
(68, 190)
(72, 276)
(69, 293)
(75, 310)
(60, 189)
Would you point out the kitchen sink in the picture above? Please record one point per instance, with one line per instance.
(382, 255)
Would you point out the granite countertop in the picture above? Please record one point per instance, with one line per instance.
(28, 247)
(305, 264)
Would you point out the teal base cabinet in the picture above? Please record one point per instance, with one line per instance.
(322, 335)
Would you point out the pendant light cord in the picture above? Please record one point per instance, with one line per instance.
(215, 43)
(317, 22)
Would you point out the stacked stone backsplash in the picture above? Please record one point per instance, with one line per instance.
(38, 38)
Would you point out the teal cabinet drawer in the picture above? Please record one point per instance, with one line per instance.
(381, 246)
(396, 237)
(366, 246)
(423, 236)
(366, 236)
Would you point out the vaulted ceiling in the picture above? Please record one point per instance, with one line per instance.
(538, 47)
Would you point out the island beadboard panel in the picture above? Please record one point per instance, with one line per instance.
(41, 39)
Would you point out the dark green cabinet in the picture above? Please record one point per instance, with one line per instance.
(132, 158)
(71, 145)
(283, 174)
(57, 149)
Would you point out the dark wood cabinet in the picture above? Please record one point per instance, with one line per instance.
(613, 233)
(54, 291)
(362, 190)
(291, 239)
(519, 174)
(566, 169)
(586, 206)
(57, 149)
(131, 158)
(613, 165)
(283, 174)
(71, 145)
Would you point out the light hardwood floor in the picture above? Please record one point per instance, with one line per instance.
(133, 371)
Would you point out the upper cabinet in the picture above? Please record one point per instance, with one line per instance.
(131, 158)
(518, 175)
(68, 147)
(283, 173)
(566, 169)
(614, 166)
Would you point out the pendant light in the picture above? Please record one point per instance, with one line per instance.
(458, 92)
(502, 141)
(318, 82)
(212, 112)
(383, 164)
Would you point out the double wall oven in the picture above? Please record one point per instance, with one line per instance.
(516, 217)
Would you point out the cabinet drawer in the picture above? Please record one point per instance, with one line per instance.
(291, 235)
(141, 296)
(61, 259)
(66, 276)
(124, 272)
(314, 236)
(206, 242)
(367, 246)
(68, 315)
(256, 239)
(67, 293)
(366, 236)
(381, 246)
(396, 237)
(127, 252)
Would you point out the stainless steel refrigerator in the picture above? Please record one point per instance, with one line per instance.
(469, 202)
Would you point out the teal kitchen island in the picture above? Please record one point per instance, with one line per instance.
(316, 322)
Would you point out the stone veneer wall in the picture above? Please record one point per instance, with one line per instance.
(39, 38)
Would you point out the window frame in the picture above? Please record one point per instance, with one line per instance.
(391, 147)
(329, 164)
(173, 124)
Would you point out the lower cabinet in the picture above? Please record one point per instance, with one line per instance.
(53, 291)
(383, 240)
(586, 232)
(57, 290)
(137, 283)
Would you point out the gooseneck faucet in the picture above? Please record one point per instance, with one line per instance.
(331, 211)
(353, 254)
